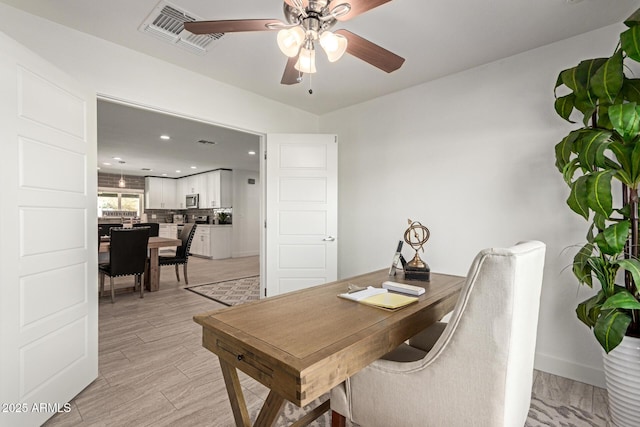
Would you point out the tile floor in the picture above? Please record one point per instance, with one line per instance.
(153, 370)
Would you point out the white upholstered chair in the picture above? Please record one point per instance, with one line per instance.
(475, 370)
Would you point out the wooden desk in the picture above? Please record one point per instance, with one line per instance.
(304, 343)
(152, 279)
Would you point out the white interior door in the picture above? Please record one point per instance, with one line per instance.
(48, 252)
(301, 211)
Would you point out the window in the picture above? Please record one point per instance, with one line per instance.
(119, 204)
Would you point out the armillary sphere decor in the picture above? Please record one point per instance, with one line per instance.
(416, 236)
(309, 22)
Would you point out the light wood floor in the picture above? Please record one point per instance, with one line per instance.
(153, 370)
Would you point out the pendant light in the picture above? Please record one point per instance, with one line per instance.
(122, 183)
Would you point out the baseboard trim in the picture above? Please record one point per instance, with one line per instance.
(568, 369)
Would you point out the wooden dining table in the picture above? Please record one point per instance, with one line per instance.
(152, 277)
(302, 344)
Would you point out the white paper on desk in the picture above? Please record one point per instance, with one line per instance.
(365, 293)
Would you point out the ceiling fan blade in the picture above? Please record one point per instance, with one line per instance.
(290, 75)
(229, 26)
(371, 52)
(358, 7)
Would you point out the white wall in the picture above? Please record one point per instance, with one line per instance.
(471, 156)
(246, 213)
(125, 74)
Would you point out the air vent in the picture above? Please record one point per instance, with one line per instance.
(145, 169)
(166, 22)
(205, 142)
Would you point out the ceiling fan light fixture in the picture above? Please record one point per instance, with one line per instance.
(306, 60)
(290, 40)
(334, 45)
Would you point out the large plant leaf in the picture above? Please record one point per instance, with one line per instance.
(607, 80)
(578, 199)
(633, 267)
(578, 78)
(570, 170)
(599, 196)
(633, 20)
(623, 299)
(623, 155)
(571, 79)
(610, 328)
(564, 106)
(592, 144)
(603, 121)
(612, 239)
(589, 309)
(564, 149)
(625, 120)
(597, 268)
(631, 90)
(581, 267)
(635, 165)
(630, 42)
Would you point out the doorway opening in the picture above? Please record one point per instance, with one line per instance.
(147, 146)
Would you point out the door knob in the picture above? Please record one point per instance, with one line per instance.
(329, 239)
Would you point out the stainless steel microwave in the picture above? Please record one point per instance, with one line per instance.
(192, 201)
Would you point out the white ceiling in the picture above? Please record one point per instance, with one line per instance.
(437, 38)
(133, 135)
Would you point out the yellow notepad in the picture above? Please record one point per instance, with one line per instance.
(389, 301)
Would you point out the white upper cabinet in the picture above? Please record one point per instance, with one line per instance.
(219, 189)
(182, 189)
(214, 189)
(201, 186)
(159, 193)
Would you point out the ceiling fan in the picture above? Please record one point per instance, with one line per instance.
(308, 22)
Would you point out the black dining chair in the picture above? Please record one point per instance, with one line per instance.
(127, 257)
(182, 252)
(103, 229)
(154, 228)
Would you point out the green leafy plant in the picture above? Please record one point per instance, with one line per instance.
(600, 157)
(223, 217)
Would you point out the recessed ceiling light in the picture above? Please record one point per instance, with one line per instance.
(178, 171)
(252, 153)
(194, 167)
(165, 137)
(117, 158)
(164, 174)
(106, 164)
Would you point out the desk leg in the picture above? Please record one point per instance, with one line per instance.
(270, 410)
(234, 390)
(152, 278)
(338, 420)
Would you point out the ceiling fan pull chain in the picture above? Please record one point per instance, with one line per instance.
(310, 89)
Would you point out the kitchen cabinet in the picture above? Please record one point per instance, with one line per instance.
(212, 241)
(182, 189)
(159, 193)
(219, 189)
(221, 241)
(201, 243)
(170, 231)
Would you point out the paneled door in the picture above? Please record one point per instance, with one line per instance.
(48, 244)
(301, 211)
